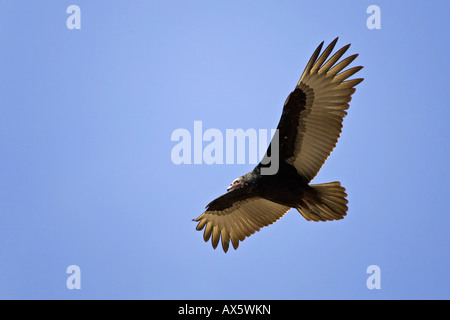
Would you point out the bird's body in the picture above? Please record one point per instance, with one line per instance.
(285, 187)
(308, 131)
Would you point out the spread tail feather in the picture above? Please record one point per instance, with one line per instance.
(324, 202)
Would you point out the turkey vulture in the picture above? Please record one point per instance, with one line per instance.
(308, 131)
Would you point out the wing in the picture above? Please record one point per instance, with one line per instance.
(237, 215)
(311, 121)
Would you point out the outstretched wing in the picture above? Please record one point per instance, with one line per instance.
(311, 121)
(237, 215)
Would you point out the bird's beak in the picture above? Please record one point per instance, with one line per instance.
(234, 185)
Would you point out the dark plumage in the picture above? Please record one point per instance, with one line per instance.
(308, 131)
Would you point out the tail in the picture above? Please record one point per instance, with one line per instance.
(324, 202)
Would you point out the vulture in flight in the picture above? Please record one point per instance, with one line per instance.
(308, 131)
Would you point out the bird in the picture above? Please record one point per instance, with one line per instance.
(308, 131)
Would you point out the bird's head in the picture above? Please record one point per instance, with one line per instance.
(236, 184)
(247, 180)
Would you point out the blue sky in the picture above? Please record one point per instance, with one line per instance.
(86, 176)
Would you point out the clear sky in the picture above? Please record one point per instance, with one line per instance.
(87, 179)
